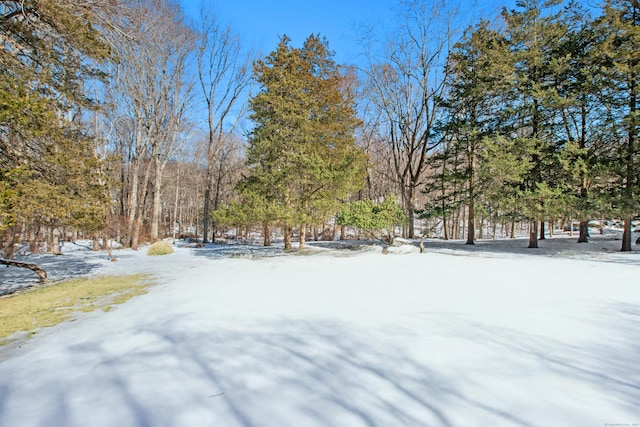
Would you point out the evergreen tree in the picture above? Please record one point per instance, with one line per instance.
(302, 155)
(481, 72)
(48, 170)
(621, 57)
(444, 187)
(504, 164)
(378, 220)
(535, 33)
(583, 118)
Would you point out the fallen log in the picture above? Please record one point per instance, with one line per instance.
(40, 272)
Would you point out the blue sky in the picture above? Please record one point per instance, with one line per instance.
(261, 23)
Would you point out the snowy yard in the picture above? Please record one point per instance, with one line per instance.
(492, 335)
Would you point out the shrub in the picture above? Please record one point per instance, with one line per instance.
(160, 248)
(377, 219)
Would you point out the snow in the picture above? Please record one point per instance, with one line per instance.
(458, 336)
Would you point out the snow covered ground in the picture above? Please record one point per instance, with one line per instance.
(490, 335)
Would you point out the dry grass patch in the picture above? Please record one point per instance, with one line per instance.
(160, 248)
(49, 305)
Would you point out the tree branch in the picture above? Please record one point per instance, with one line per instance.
(40, 272)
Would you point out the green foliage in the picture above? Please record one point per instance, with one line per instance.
(620, 59)
(540, 115)
(160, 248)
(9, 197)
(374, 218)
(49, 173)
(302, 155)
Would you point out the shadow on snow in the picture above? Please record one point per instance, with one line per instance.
(315, 373)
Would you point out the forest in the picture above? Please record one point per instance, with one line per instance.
(126, 122)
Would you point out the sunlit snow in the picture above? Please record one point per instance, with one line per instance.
(490, 335)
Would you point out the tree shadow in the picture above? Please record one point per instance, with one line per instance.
(278, 374)
(295, 372)
(600, 249)
(237, 250)
(609, 367)
(58, 267)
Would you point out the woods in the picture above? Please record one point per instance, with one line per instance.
(128, 121)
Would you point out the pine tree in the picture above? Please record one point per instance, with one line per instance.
(504, 165)
(534, 34)
(378, 220)
(302, 154)
(49, 50)
(621, 57)
(583, 118)
(481, 72)
(444, 187)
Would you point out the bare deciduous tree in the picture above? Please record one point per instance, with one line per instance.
(405, 85)
(152, 93)
(224, 74)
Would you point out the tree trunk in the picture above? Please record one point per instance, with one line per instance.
(33, 241)
(52, 242)
(9, 250)
(205, 219)
(40, 272)
(626, 235)
(463, 222)
(133, 200)
(411, 212)
(157, 202)
(471, 226)
(584, 231)
(135, 237)
(533, 235)
(445, 227)
(303, 236)
(266, 235)
(216, 201)
(630, 160)
(137, 208)
(455, 225)
(287, 237)
(175, 208)
(542, 230)
(471, 220)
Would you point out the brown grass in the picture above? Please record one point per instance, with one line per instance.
(47, 306)
(160, 248)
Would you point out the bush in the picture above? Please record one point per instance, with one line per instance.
(160, 248)
(374, 218)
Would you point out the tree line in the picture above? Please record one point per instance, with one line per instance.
(541, 119)
(123, 120)
(530, 117)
